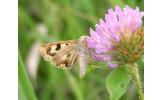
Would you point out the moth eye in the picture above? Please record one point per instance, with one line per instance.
(66, 44)
(58, 47)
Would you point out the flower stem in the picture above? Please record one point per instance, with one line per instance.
(132, 70)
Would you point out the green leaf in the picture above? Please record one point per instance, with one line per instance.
(117, 82)
(74, 86)
(21, 94)
(24, 82)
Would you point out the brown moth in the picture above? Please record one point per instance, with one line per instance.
(64, 54)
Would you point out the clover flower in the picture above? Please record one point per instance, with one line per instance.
(119, 38)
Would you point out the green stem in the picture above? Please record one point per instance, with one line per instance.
(132, 70)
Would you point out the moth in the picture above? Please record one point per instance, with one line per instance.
(65, 54)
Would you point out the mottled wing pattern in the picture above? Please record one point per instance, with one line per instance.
(62, 54)
(66, 57)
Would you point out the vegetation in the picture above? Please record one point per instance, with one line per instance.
(42, 21)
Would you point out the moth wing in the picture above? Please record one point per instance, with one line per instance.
(66, 58)
(57, 52)
(49, 50)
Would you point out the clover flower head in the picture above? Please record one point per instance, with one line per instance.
(119, 38)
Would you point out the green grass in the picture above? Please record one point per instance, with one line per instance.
(64, 19)
(26, 90)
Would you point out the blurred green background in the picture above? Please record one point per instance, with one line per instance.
(42, 21)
